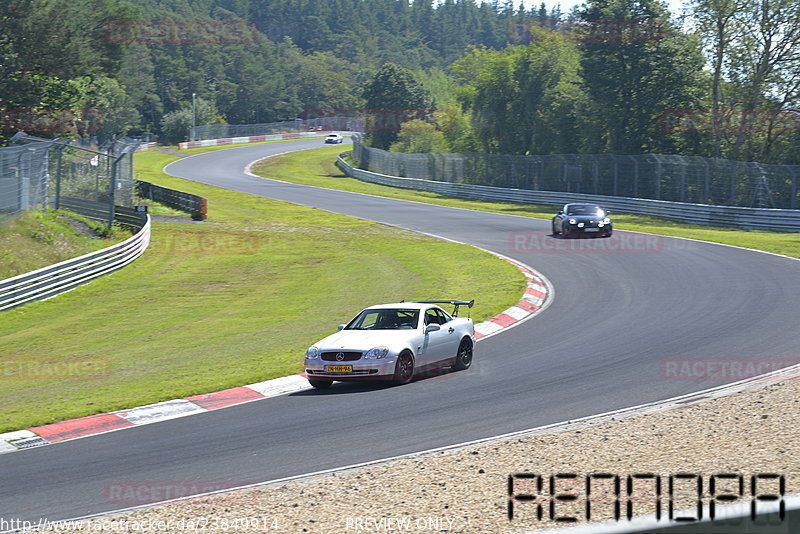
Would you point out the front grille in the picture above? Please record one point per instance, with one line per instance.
(347, 356)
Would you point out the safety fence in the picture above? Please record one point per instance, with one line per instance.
(219, 131)
(667, 177)
(61, 277)
(730, 216)
(193, 204)
(24, 178)
(38, 173)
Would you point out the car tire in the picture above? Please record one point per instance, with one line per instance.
(608, 234)
(320, 384)
(555, 234)
(464, 355)
(404, 369)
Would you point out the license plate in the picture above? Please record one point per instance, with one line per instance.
(339, 368)
(591, 229)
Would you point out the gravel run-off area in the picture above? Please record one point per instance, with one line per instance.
(465, 490)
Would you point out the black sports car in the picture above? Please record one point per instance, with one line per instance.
(588, 219)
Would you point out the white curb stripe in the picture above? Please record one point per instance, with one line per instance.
(17, 434)
(517, 312)
(279, 386)
(487, 328)
(160, 411)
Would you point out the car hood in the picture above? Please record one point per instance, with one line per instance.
(364, 340)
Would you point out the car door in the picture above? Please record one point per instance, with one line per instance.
(434, 344)
(451, 341)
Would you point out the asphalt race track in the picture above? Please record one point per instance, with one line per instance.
(620, 318)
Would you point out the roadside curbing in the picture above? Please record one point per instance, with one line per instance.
(532, 301)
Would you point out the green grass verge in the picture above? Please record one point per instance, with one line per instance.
(38, 239)
(223, 303)
(316, 168)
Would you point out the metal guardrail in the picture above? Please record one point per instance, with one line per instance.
(730, 216)
(193, 204)
(61, 277)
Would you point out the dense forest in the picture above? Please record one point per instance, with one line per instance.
(620, 76)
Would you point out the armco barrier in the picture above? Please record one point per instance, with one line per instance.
(730, 216)
(50, 281)
(255, 139)
(193, 204)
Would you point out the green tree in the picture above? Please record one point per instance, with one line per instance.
(525, 99)
(634, 74)
(393, 97)
(175, 126)
(418, 136)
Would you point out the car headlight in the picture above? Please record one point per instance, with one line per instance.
(377, 352)
(580, 225)
(572, 221)
(606, 221)
(312, 353)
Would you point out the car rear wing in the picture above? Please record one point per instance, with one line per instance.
(455, 303)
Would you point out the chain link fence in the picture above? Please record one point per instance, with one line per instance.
(220, 131)
(691, 179)
(40, 174)
(24, 178)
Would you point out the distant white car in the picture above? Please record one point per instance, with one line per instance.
(393, 342)
(334, 138)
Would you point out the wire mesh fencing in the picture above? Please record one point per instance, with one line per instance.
(40, 174)
(24, 178)
(221, 131)
(691, 179)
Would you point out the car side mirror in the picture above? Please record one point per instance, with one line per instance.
(432, 328)
(341, 326)
(560, 212)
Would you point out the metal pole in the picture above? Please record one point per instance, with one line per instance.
(58, 176)
(194, 116)
(113, 180)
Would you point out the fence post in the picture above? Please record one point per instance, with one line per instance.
(658, 177)
(58, 175)
(111, 202)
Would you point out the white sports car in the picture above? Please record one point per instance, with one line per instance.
(394, 342)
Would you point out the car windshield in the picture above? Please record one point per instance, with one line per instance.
(585, 209)
(385, 319)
